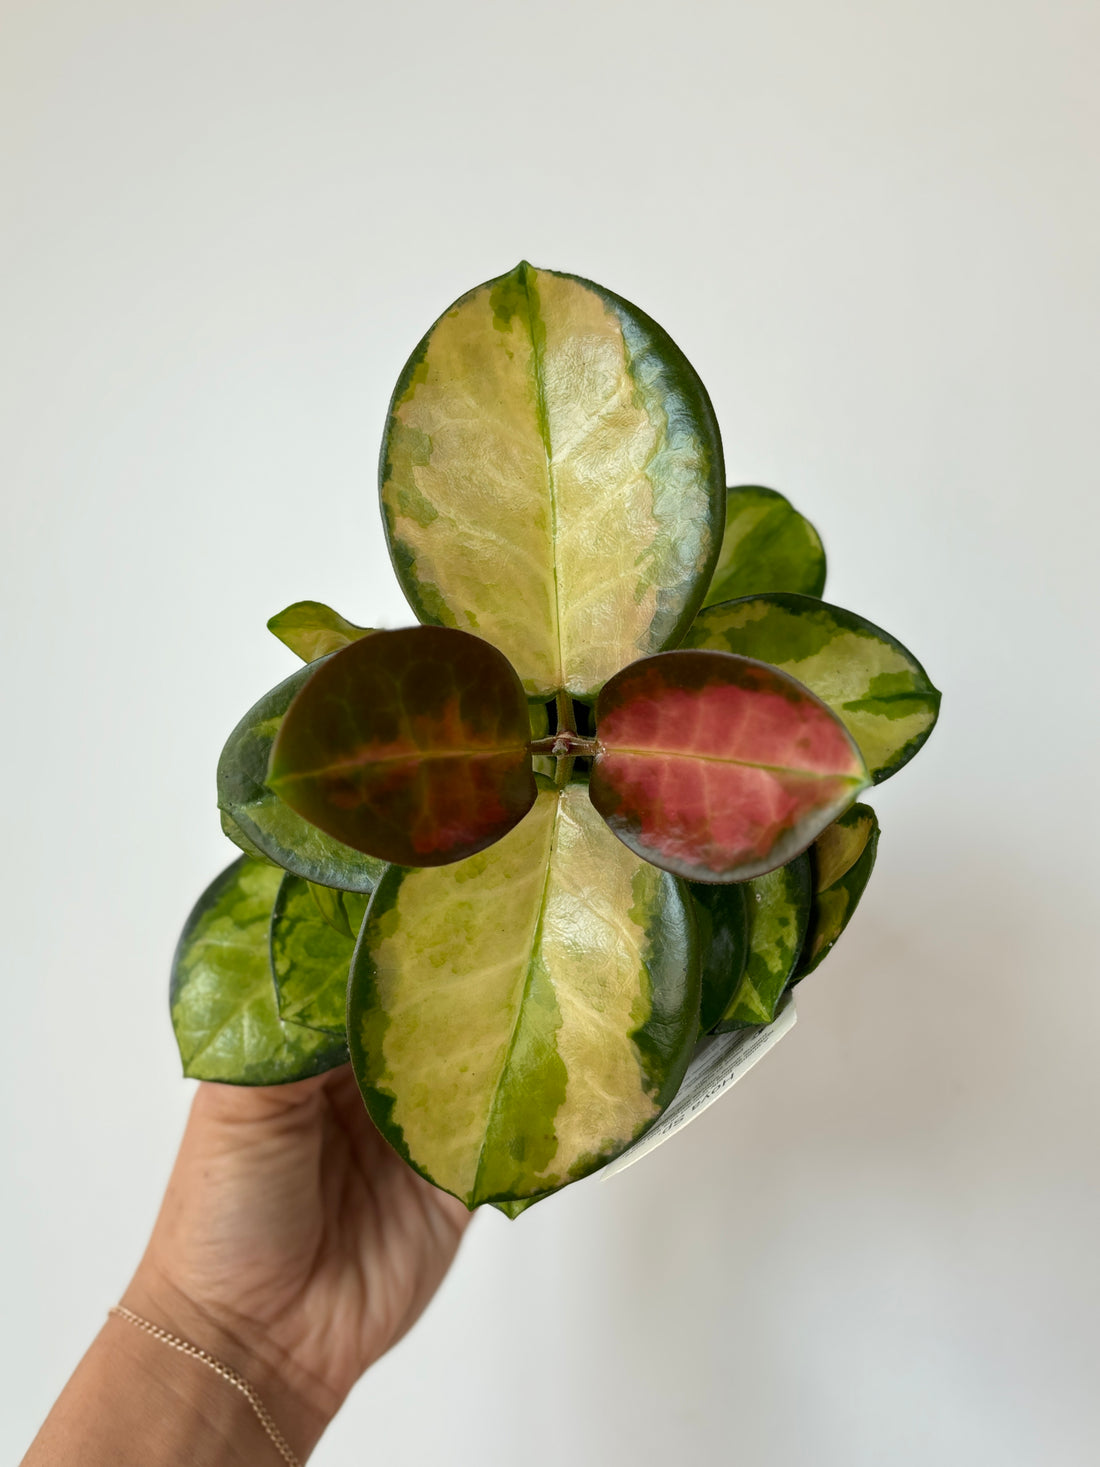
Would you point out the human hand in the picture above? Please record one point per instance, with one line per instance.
(294, 1243)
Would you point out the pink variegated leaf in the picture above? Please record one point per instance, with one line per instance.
(717, 767)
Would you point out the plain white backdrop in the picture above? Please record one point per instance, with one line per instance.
(874, 229)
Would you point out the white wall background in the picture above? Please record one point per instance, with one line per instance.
(874, 228)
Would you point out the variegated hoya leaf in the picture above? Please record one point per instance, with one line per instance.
(312, 630)
(718, 768)
(519, 1018)
(233, 832)
(869, 680)
(552, 479)
(251, 808)
(411, 745)
(841, 859)
(329, 904)
(223, 994)
(768, 546)
(310, 957)
(721, 918)
(777, 908)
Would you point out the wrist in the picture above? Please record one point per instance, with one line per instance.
(133, 1401)
(300, 1407)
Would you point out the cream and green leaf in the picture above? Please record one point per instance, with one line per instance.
(841, 859)
(222, 994)
(552, 479)
(767, 546)
(777, 910)
(520, 1017)
(310, 956)
(874, 685)
(265, 822)
(312, 630)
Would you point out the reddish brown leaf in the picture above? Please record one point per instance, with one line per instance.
(718, 767)
(409, 745)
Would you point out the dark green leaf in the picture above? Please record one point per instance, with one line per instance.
(223, 993)
(722, 920)
(841, 858)
(778, 911)
(411, 745)
(310, 958)
(312, 630)
(871, 682)
(260, 816)
(768, 546)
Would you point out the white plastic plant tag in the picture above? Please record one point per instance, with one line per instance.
(717, 1065)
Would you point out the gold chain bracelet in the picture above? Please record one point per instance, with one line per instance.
(219, 1367)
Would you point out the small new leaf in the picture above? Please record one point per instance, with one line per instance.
(841, 859)
(312, 630)
(767, 546)
(716, 767)
(409, 745)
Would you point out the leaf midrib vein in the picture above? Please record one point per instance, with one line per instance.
(722, 759)
(425, 756)
(534, 945)
(543, 420)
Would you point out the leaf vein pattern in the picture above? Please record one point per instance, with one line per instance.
(532, 949)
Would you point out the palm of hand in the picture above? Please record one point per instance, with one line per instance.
(299, 1232)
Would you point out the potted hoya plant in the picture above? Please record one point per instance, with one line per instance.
(602, 801)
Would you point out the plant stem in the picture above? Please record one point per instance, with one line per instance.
(563, 773)
(566, 719)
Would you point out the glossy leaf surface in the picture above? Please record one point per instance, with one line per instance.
(841, 859)
(232, 831)
(552, 479)
(312, 630)
(716, 767)
(721, 918)
(777, 907)
(409, 745)
(873, 683)
(517, 1019)
(270, 826)
(333, 909)
(767, 546)
(310, 957)
(223, 994)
